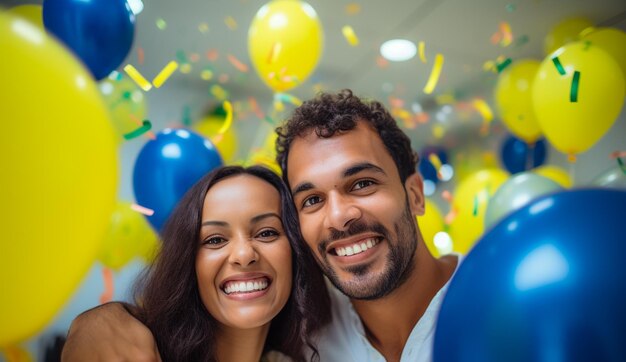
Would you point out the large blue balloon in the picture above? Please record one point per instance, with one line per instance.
(167, 167)
(548, 283)
(426, 168)
(99, 32)
(518, 156)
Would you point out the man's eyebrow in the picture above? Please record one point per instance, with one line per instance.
(304, 186)
(353, 170)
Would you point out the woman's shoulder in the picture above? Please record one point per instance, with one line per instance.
(275, 356)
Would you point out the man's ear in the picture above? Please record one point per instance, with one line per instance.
(415, 192)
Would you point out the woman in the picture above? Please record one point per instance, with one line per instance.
(232, 280)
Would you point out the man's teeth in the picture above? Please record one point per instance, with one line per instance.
(356, 248)
(245, 286)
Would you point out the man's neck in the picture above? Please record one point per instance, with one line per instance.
(241, 345)
(389, 321)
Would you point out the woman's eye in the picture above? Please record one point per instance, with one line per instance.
(311, 201)
(214, 241)
(268, 234)
(362, 184)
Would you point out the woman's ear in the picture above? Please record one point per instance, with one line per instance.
(415, 192)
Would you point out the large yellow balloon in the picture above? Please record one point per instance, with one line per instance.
(126, 237)
(470, 204)
(125, 102)
(285, 43)
(611, 40)
(565, 32)
(571, 120)
(59, 160)
(226, 142)
(556, 174)
(30, 12)
(514, 99)
(430, 224)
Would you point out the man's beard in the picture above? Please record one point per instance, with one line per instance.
(397, 269)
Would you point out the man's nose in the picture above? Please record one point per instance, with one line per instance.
(341, 211)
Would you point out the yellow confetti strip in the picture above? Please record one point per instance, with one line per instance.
(446, 98)
(203, 28)
(483, 108)
(137, 77)
(165, 73)
(350, 36)
(422, 52)
(274, 52)
(228, 107)
(230, 23)
(279, 106)
(218, 92)
(434, 74)
(185, 68)
(438, 131)
(434, 159)
(206, 74)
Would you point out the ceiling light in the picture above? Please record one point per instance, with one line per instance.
(398, 50)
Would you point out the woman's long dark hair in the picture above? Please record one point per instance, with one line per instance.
(168, 297)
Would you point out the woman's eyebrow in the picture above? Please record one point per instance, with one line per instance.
(264, 216)
(217, 223)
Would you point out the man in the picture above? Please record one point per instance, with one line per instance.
(352, 174)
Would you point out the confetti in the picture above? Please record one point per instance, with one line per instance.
(142, 210)
(573, 93)
(507, 35)
(421, 50)
(107, 294)
(510, 8)
(206, 74)
(617, 154)
(450, 216)
(353, 8)
(212, 55)
(284, 97)
(203, 28)
(434, 74)
(434, 159)
(620, 163)
(350, 36)
(274, 53)
(139, 131)
(447, 196)
(223, 78)
(161, 24)
(586, 31)
(140, 55)
(194, 57)
(185, 68)
(218, 92)
(137, 77)
(186, 115)
(181, 56)
(475, 209)
(230, 23)
(500, 67)
(558, 65)
(165, 73)
(228, 107)
(139, 123)
(237, 64)
(483, 108)
(254, 105)
(381, 62)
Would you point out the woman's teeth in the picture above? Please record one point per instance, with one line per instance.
(245, 286)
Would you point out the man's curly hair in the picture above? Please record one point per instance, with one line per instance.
(330, 113)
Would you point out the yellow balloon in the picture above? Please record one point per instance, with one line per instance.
(285, 43)
(565, 32)
(126, 237)
(30, 12)
(430, 224)
(470, 202)
(226, 142)
(59, 158)
(574, 118)
(611, 40)
(514, 99)
(125, 101)
(555, 174)
(473, 159)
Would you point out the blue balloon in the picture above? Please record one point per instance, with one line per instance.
(167, 167)
(426, 168)
(547, 283)
(518, 156)
(99, 32)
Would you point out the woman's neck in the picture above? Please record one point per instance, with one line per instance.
(241, 344)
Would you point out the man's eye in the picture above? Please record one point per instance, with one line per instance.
(362, 184)
(311, 201)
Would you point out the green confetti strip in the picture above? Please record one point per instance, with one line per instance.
(161, 24)
(558, 65)
(139, 131)
(621, 165)
(475, 212)
(573, 94)
(503, 65)
(182, 58)
(186, 116)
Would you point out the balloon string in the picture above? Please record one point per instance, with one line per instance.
(139, 131)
